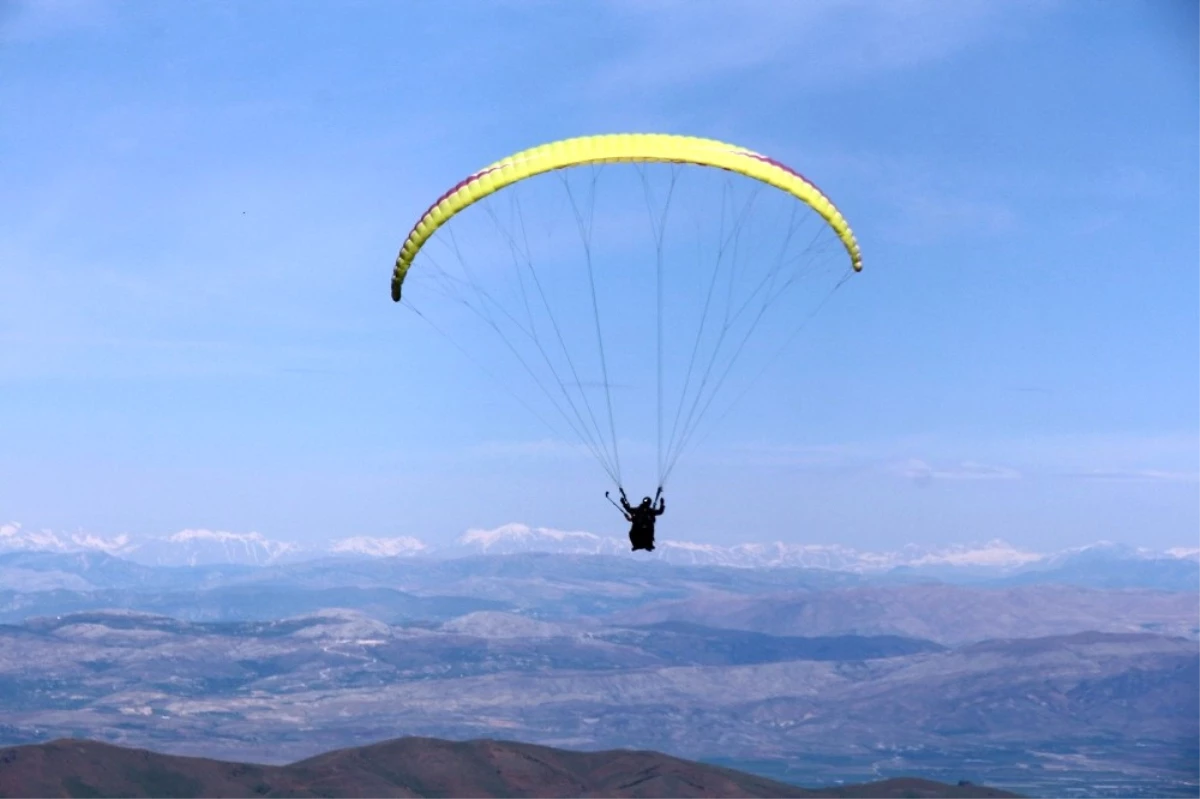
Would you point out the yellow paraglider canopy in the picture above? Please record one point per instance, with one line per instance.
(622, 147)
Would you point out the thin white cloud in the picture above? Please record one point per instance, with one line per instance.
(815, 457)
(678, 42)
(541, 448)
(922, 473)
(925, 214)
(1111, 451)
(32, 20)
(1140, 475)
(1117, 457)
(1163, 458)
(873, 458)
(924, 201)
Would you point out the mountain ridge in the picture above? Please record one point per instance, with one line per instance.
(411, 767)
(199, 547)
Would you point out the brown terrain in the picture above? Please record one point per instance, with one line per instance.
(409, 767)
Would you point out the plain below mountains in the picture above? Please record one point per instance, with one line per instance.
(410, 767)
(1102, 710)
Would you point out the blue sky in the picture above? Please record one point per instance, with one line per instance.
(200, 205)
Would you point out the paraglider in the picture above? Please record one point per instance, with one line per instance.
(643, 518)
(532, 328)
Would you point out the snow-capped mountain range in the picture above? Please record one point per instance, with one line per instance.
(210, 547)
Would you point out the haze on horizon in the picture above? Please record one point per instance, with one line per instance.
(200, 205)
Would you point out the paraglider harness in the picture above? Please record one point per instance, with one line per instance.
(642, 518)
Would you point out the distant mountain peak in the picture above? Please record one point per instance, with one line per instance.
(206, 547)
(994, 553)
(515, 537)
(216, 535)
(379, 547)
(15, 537)
(196, 547)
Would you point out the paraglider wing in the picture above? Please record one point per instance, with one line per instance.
(628, 148)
